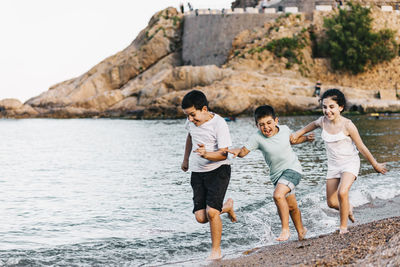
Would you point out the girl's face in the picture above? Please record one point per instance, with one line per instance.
(331, 109)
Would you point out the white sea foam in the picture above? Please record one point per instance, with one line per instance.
(358, 197)
(259, 224)
(375, 186)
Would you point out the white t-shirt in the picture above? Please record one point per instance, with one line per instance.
(214, 134)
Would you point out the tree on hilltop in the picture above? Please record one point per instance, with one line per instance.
(352, 45)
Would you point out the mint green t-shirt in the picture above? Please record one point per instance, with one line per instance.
(277, 152)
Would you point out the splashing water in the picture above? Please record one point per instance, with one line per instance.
(111, 192)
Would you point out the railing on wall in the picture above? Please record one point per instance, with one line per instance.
(393, 7)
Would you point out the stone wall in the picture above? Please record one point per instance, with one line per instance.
(207, 39)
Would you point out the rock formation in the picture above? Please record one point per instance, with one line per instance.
(14, 108)
(120, 77)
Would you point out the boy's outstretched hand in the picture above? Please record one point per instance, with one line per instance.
(201, 150)
(294, 137)
(310, 137)
(380, 167)
(234, 151)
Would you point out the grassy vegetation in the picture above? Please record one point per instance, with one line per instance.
(149, 37)
(351, 43)
(289, 48)
(176, 19)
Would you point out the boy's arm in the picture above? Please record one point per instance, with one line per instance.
(302, 139)
(355, 136)
(241, 152)
(188, 149)
(220, 154)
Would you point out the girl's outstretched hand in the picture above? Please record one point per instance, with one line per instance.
(294, 137)
(380, 167)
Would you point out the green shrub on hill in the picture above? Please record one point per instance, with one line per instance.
(290, 48)
(352, 45)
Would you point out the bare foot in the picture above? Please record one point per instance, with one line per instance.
(343, 231)
(303, 233)
(228, 208)
(215, 255)
(351, 215)
(284, 235)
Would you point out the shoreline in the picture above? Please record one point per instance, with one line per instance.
(139, 116)
(373, 240)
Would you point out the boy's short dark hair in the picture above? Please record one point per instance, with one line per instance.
(196, 99)
(264, 111)
(336, 96)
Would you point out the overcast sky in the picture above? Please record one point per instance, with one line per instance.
(44, 42)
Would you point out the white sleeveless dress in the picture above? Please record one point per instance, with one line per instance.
(342, 154)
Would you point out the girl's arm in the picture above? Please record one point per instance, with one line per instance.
(241, 152)
(308, 128)
(188, 149)
(355, 136)
(302, 139)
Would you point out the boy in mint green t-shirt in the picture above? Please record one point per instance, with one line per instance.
(274, 141)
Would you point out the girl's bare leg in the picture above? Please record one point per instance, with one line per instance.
(346, 181)
(332, 196)
(351, 215)
(331, 193)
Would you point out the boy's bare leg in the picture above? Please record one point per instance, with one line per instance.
(346, 181)
(201, 216)
(295, 214)
(228, 208)
(283, 210)
(216, 233)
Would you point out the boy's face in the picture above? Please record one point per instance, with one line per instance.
(268, 126)
(198, 117)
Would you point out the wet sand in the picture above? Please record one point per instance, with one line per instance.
(373, 241)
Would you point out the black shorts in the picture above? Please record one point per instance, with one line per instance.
(209, 188)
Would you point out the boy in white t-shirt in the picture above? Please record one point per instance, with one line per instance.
(285, 170)
(208, 135)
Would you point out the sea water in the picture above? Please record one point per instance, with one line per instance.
(85, 192)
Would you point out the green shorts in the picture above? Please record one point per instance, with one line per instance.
(290, 178)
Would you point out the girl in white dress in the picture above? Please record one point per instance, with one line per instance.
(342, 140)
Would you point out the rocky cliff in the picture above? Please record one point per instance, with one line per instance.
(148, 79)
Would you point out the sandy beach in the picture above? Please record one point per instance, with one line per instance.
(373, 241)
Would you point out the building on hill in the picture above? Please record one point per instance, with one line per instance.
(307, 6)
(244, 3)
